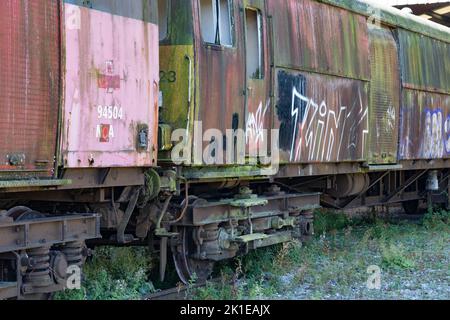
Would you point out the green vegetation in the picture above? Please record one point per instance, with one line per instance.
(114, 274)
(412, 256)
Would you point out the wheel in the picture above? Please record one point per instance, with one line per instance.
(188, 268)
(23, 214)
(411, 207)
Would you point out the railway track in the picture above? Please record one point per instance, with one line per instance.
(181, 292)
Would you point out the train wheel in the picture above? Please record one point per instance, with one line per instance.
(23, 214)
(188, 268)
(411, 207)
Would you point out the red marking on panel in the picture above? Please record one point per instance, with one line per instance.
(104, 132)
(108, 82)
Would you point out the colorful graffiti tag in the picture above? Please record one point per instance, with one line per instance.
(436, 137)
(433, 143)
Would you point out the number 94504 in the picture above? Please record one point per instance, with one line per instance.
(110, 112)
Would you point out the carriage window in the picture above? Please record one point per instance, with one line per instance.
(254, 43)
(216, 22)
(163, 16)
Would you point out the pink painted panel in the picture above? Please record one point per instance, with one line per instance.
(110, 114)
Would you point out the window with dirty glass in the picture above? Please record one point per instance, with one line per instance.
(216, 21)
(254, 43)
(163, 18)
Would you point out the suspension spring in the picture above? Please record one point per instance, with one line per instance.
(38, 273)
(74, 253)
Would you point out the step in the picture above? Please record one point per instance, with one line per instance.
(8, 290)
(251, 237)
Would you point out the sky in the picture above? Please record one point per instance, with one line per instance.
(406, 2)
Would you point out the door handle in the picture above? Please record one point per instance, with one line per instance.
(187, 57)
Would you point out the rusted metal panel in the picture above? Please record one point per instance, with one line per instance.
(29, 91)
(270, 206)
(111, 84)
(424, 62)
(21, 235)
(319, 37)
(321, 118)
(424, 126)
(384, 96)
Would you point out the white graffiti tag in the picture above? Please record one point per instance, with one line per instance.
(390, 119)
(321, 129)
(255, 124)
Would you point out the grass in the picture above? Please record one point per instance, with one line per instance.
(114, 274)
(412, 257)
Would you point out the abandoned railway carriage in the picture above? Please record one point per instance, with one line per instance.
(79, 96)
(358, 96)
(224, 138)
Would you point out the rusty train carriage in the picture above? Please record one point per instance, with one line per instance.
(360, 67)
(361, 117)
(355, 122)
(362, 111)
(80, 98)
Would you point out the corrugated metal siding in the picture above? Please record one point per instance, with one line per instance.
(318, 37)
(425, 62)
(29, 77)
(384, 96)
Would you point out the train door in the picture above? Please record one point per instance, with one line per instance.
(220, 65)
(30, 87)
(258, 104)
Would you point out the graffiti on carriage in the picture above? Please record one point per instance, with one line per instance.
(318, 120)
